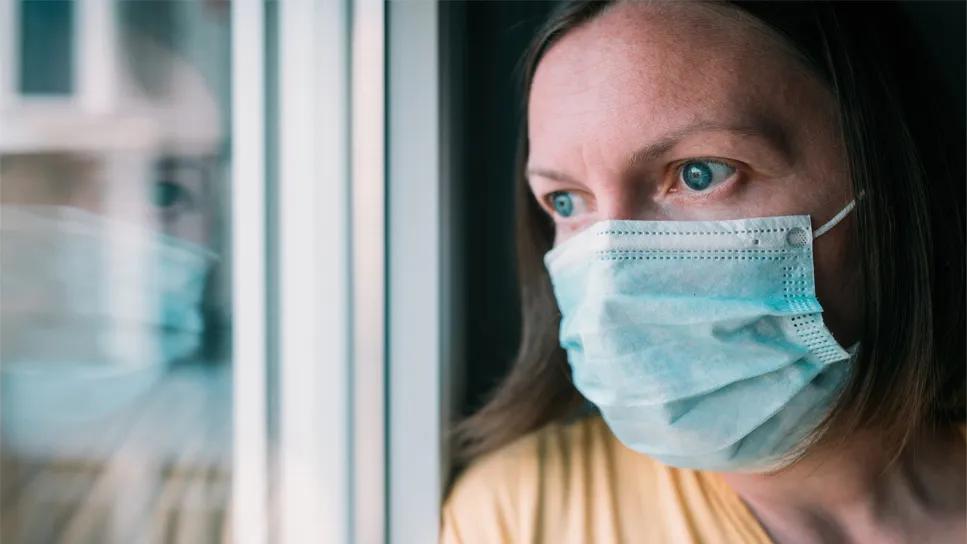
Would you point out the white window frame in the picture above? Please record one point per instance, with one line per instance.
(369, 277)
(362, 275)
(418, 280)
(315, 463)
(249, 506)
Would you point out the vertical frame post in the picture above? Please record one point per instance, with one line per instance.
(249, 310)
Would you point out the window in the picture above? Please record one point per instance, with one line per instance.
(222, 246)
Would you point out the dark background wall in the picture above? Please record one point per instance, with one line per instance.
(482, 44)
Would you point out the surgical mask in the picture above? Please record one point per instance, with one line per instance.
(90, 310)
(79, 287)
(702, 343)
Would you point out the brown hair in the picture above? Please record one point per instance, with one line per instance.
(902, 137)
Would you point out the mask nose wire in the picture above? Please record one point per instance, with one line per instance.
(835, 220)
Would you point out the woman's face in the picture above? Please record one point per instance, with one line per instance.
(686, 111)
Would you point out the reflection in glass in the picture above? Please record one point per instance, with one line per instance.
(115, 384)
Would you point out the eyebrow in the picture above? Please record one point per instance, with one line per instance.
(755, 126)
(758, 127)
(549, 174)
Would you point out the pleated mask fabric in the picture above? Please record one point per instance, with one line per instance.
(702, 343)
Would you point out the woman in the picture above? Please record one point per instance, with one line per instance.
(751, 219)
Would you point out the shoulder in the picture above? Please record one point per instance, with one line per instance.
(517, 466)
(506, 495)
(488, 502)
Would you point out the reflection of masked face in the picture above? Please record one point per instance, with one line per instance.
(90, 309)
(77, 288)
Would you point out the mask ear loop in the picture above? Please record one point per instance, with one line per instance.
(853, 349)
(835, 220)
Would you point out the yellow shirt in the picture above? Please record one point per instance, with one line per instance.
(577, 483)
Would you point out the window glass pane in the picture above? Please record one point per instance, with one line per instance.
(46, 52)
(115, 364)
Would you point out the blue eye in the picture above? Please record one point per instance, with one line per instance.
(563, 203)
(700, 175)
(166, 195)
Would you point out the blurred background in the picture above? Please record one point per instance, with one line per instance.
(255, 258)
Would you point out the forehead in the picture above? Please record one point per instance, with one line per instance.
(640, 70)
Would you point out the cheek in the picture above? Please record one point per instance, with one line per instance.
(565, 231)
(821, 154)
(192, 226)
(837, 264)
